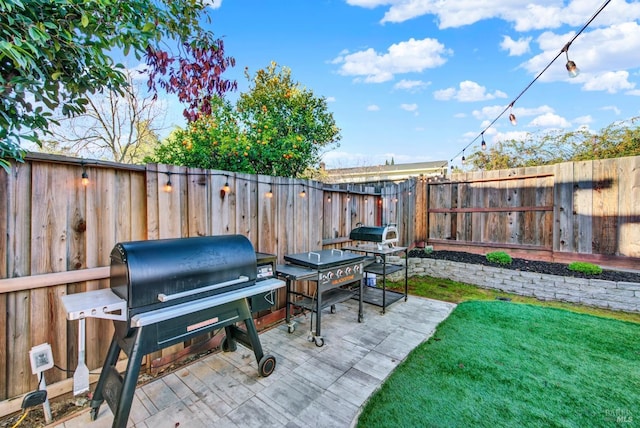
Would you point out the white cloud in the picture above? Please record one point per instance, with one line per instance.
(213, 4)
(411, 85)
(515, 47)
(583, 120)
(614, 109)
(330, 99)
(523, 14)
(550, 120)
(469, 92)
(491, 112)
(635, 92)
(403, 57)
(611, 81)
(409, 107)
(373, 107)
(602, 50)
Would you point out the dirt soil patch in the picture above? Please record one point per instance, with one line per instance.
(550, 268)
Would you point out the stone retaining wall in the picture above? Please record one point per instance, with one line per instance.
(620, 296)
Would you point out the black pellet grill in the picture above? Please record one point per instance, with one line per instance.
(168, 291)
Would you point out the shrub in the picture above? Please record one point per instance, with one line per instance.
(586, 268)
(499, 257)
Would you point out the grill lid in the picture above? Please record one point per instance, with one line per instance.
(324, 259)
(172, 271)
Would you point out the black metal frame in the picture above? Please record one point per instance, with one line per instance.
(137, 342)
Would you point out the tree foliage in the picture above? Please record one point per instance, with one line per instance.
(276, 128)
(54, 53)
(616, 140)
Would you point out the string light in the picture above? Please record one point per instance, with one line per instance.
(168, 187)
(85, 176)
(483, 145)
(303, 194)
(512, 117)
(463, 160)
(269, 194)
(226, 189)
(572, 68)
(348, 197)
(329, 198)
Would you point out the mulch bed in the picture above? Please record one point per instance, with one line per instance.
(550, 268)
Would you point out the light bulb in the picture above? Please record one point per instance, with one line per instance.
(512, 119)
(168, 187)
(572, 69)
(85, 178)
(226, 187)
(269, 194)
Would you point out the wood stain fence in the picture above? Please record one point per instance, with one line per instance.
(56, 234)
(571, 211)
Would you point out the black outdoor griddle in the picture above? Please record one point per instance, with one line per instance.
(338, 277)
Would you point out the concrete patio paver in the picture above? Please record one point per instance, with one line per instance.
(310, 387)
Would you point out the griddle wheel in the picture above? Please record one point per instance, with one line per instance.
(360, 317)
(267, 365)
(319, 341)
(291, 328)
(229, 345)
(93, 414)
(333, 309)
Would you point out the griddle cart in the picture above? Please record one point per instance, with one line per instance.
(338, 276)
(378, 254)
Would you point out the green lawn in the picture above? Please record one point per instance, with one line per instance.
(505, 364)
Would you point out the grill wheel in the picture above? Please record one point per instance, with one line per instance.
(267, 365)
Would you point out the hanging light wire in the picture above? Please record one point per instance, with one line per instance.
(565, 49)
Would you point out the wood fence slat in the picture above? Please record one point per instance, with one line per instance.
(605, 209)
(629, 212)
(563, 211)
(583, 207)
(4, 256)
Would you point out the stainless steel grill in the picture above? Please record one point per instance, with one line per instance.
(167, 291)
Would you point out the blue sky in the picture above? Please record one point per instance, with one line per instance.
(418, 80)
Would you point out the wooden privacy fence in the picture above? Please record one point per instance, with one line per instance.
(571, 211)
(56, 236)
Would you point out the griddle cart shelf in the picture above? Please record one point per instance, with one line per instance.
(379, 266)
(336, 282)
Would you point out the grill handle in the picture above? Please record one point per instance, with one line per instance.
(315, 254)
(165, 298)
(335, 250)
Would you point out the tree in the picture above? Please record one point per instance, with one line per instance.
(114, 127)
(277, 128)
(616, 140)
(52, 54)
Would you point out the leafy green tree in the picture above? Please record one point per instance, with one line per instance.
(277, 128)
(54, 53)
(616, 140)
(214, 141)
(288, 127)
